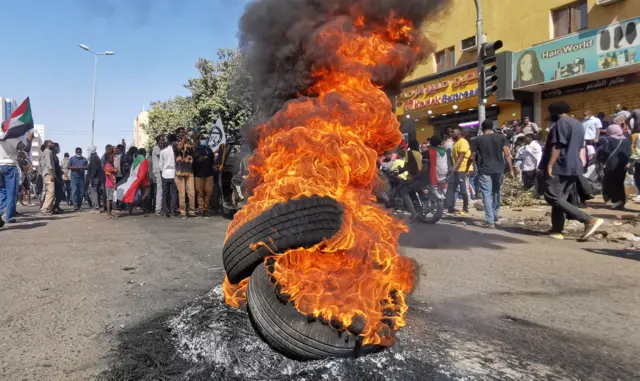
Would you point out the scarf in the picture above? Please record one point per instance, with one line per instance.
(442, 151)
(139, 159)
(615, 131)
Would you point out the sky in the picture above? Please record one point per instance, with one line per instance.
(156, 43)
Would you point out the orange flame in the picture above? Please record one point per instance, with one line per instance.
(328, 145)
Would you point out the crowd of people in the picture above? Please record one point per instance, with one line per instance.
(175, 179)
(567, 164)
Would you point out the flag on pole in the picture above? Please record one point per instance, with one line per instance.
(19, 123)
(217, 137)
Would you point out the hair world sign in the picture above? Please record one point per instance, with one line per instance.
(446, 90)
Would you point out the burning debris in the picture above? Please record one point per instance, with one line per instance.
(333, 253)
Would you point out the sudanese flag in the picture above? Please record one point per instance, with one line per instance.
(19, 123)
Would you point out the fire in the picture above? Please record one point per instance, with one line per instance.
(327, 145)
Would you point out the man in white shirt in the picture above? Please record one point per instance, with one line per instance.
(167, 165)
(10, 174)
(531, 155)
(592, 127)
(530, 127)
(157, 172)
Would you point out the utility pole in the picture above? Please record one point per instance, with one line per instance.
(481, 80)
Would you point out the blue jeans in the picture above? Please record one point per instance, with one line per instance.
(9, 180)
(490, 189)
(77, 189)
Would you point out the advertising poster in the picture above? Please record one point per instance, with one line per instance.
(594, 50)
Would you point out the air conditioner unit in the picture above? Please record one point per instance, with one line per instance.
(469, 44)
(606, 2)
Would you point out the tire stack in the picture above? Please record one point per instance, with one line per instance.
(300, 223)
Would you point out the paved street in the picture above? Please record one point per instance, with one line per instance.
(489, 304)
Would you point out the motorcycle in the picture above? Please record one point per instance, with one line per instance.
(428, 202)
(232, 194)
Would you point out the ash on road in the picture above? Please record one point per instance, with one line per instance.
(81, 293)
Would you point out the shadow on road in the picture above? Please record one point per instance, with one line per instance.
(25, 226)
(446, 236)
(619, 253)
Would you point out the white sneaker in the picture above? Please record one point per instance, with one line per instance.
(637, 199)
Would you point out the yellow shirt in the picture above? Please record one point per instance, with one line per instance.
(634, 137)
(461, 147)
(397, 164)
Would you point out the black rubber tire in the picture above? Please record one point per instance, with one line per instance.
(437, 213)
(289, 332)
(298, 223)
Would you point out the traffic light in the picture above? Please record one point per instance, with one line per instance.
(489, 49)
(490, 80)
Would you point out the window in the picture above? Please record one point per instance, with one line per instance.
(569, 19)
(445, 59)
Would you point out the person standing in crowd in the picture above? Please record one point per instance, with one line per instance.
(110, 183)
(517, 133)
(613, 155)
(620, 111)
(443, 161)
(9, 175)
(448, 139)
(149, 207)
(167, 166)
(592, 127)
(562, 165)
(117, 160)
(531, 156)
(184, 177)
(203, 173)
(77, 166)
(633, 121)
(109, 150)
(490, 151)
(530, 127)
(48, 170)
(27, 169)
(95, 178)
(59, 185)
(461, 153)
(126, 162)
(417, 179)
(66, 178)
(603, 121)
(157, 172)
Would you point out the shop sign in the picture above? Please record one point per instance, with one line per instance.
(589, 86)
(449, 89)
(595, 50)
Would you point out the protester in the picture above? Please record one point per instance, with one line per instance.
(9, 175)
(603, 121)
(110, 173)
(117, 160)
(517, 133)
(48, 171)
(96, 178)
(109, 150)
(149, 207)
(66, 178)
(490, 151)
(448, 140)
(613, 155)
(157, 172)
(460, 153)
(184, 176)
(443, 159)
(530, 127)
(592, 127)
(417, 179)
(620, 111)
(77, 166)
(633, 120)
(167, 166)
(127, 161)
(531, 156)
(203, 173)
(59, 187)
(562, 165)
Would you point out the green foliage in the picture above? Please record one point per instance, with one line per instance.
(223, 89)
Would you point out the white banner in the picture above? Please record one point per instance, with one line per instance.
(217, 137)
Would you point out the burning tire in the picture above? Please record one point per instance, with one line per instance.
(291, 333)
(299, 223)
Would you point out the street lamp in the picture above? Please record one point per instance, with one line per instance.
(95, 84)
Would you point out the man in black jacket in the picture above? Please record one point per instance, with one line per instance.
(203, 174)
(95, 178)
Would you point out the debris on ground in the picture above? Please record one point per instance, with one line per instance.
(514, 195)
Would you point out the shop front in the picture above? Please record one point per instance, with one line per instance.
(449, 101)
(592, 71)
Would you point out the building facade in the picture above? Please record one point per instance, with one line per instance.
(576, 43)
(140, 136)
(38, 139)
(7, 106)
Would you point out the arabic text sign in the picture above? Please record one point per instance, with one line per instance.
(594, 85)
(590, 51)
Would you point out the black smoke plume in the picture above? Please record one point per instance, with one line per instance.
(278, 36)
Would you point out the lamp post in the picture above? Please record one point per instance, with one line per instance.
(480, 64)
(95, 86)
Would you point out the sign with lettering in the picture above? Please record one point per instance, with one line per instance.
(594, 50)
(448, 89)
(594, 85)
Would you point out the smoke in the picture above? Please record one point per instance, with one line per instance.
(281, 51)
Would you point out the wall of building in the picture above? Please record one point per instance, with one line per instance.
(140, 136)
(519, 24)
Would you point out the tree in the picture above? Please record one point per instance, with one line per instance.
(223, 89)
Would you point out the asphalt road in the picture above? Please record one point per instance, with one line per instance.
(489, 304)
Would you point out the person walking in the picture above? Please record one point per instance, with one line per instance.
(613, 155)
(490, 151)
(461, 153)
(110, 173)
(48, 170)
(531, 156)
(77, 166)
(66, 178)
(95, 178)
(562, 165)
(10, 175)
(167, 166)
(592, 127)
(184, 177)
(203, 175)
(59, 186)
(157, 172)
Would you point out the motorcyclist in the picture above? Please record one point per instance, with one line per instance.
(418, 178)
